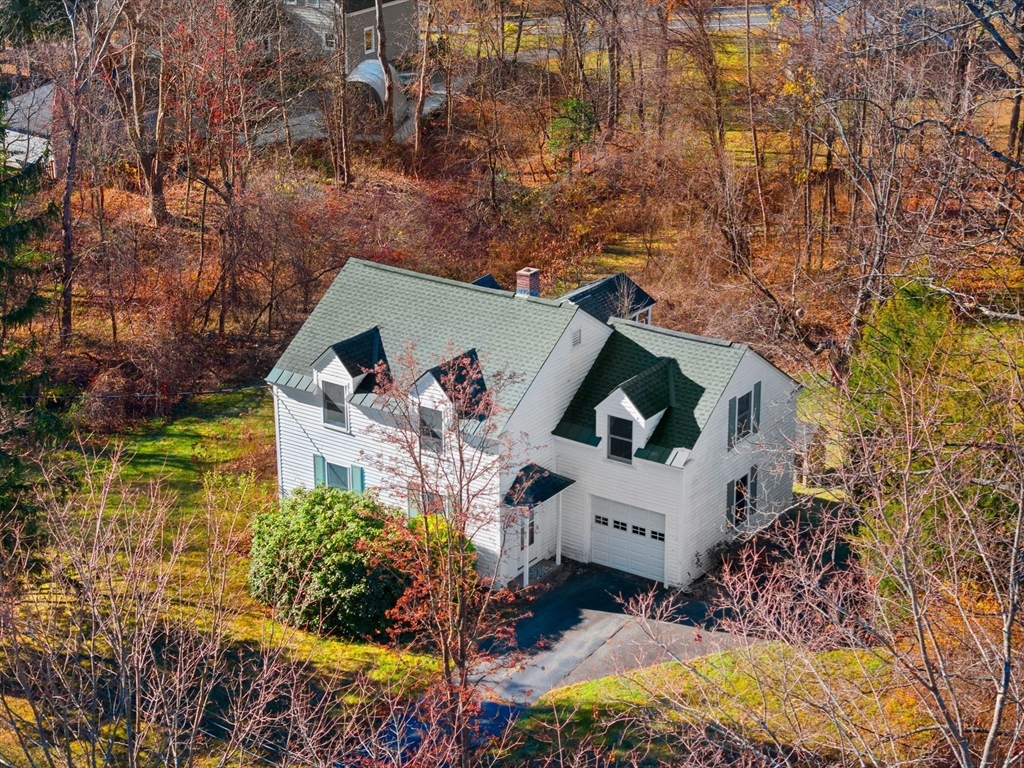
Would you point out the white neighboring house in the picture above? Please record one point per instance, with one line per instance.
(652, 446)
(29, 125)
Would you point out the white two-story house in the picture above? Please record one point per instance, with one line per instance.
(647, 446)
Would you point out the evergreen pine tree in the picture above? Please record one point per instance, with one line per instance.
(25, 422)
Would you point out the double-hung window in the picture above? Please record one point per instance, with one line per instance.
(431, 430)
(335, 405)
(744, 415)
(741, 497)
(620, 439)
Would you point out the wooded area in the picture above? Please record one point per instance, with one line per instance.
(838, 185)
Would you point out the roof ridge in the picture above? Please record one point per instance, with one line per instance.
(458, 283)
(662, 361)
(677, 334)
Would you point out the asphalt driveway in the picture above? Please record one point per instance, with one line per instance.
(579, 631)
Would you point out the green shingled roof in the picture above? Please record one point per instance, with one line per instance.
(651, 390)
(659, 370)
(511, 334)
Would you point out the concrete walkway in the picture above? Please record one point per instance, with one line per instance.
(578, 631)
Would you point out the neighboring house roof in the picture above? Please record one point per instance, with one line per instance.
(488, 281)
(682, 374)
(29, 124)
(325, 17)
(613, 296)
(510, 334)
(31, 112)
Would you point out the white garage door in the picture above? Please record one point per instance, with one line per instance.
(627, 538)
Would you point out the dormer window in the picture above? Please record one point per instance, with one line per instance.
(620, 439)
(335, 405)
(431, 430)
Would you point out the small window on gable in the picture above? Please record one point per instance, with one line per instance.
(620, 439)
(335, 405)
(577, 337)
(431, 430)
(368, 40)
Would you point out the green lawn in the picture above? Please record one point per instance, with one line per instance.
(751, 691)
(217, 453)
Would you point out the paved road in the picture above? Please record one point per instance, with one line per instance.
(579, 632)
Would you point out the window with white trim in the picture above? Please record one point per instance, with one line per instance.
(424, 502)
(330, 41)
(620, 439)
(741, 497)
(431, 430)
(600, 520)
(657, 535)
(368, 40)
(335, 404)
(744, 415)
(351, 478)
(526, 530)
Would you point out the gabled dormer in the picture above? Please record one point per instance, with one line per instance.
(650, 392)
(345, 369)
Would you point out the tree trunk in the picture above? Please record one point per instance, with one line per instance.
(661, 86)
(421, 98)
(389, 84)
(753, 128)
(67, 222)
(153, 174)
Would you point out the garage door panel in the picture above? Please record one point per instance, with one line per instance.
(621, 537)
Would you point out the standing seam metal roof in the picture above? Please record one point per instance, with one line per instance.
(511, 334)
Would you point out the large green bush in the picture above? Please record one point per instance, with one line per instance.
(311, 561)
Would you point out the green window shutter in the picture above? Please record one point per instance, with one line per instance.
(732, 423)
(757, 408)
(337, 477)
(752, 492)
(319, 470)
(730, 496)
(356, 474)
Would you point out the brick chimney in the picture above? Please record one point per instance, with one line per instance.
(528, 282)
